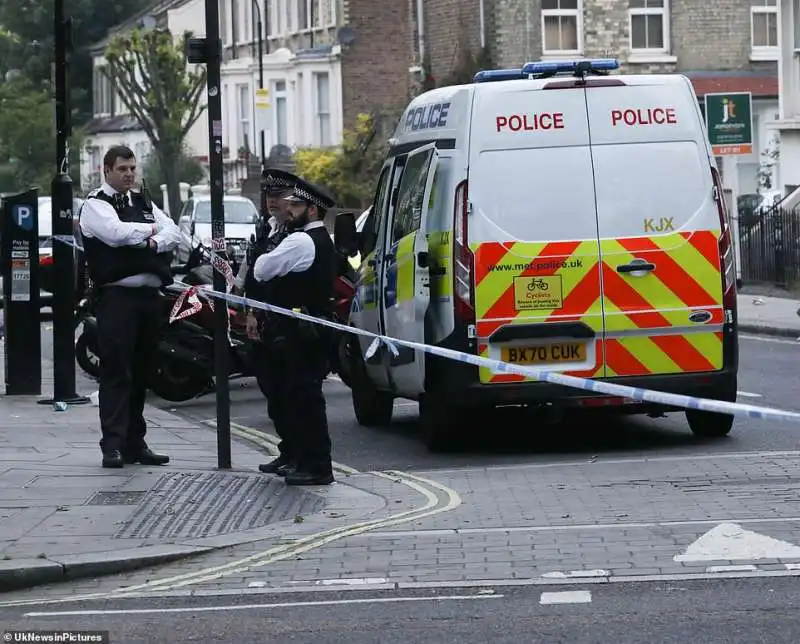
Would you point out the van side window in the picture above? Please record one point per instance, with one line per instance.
(373, 223)
(410, 196)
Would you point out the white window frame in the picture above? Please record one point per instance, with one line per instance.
(761, 52)
(664, 12)
(290, 13)
(331, 6)
(244, 117)
(563, 13)
(319, 115)
(306, 28)
(277, 18)
(279, 95)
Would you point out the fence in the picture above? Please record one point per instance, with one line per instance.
(769, 246)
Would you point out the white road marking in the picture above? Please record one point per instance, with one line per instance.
(741, 568)
(567, 597)
(621, 461)
(731, 542)
(573, 574)
(395, 534)
(792, 566)
(748, 394)
(760, 338)
(237, 607)
(362, 581)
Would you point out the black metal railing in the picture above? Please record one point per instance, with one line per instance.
(769, 246)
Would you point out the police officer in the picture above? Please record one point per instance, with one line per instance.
(276, 184)
(128, 243)
(299, 274)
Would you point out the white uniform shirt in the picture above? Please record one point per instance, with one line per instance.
(99, 220)
(294, 254)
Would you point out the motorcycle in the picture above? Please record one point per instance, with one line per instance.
(86, 353)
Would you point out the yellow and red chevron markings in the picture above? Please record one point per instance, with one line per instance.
(686, 278)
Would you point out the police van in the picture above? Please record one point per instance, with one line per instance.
(559, 216)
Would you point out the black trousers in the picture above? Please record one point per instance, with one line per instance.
(128, 324)
(295, 402)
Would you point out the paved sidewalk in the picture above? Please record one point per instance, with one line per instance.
(63, 516)
(769, 315)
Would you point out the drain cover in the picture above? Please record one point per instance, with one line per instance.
(115, 498)
(206, 504)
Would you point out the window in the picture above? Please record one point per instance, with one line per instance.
(327, 13)
(562, 26)
(236, 212)
(303, 14)
(243, 106)
(764, 26)
(649, 26)
(373, 224)
(276, 18)
(103, 93)
(323, 109)
(141, 151)
(291, 15)
(281, 113)
(408, 214)
(223, 22)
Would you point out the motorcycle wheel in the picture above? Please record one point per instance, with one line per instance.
(174, 383)
(344, 357)
(86, 354)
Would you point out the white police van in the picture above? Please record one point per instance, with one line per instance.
(558, 216)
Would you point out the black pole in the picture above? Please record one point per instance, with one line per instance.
(260, 27)
(221, 357)
(61, 195)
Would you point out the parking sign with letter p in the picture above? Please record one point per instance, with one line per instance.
(23, 216)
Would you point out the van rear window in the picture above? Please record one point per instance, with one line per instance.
(649, 188)
(532, 194)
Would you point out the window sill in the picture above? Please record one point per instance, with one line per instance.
(765, 55)
(561, 55)
(635, 58)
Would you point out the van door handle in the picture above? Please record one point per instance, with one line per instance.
(635, 266)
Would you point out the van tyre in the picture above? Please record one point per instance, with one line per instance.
(708, 424)
(440, 425)
(372, 408)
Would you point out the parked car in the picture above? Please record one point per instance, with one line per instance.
(241, 216)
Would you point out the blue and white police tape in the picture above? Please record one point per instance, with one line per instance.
(587, 384)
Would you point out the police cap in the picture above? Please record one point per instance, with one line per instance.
(275, 181)
(311, 194)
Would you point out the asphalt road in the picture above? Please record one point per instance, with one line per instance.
(768, 377)
(728, 611)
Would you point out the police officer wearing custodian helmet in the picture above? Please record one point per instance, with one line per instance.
(276, 184)
(128, 243)
(299, 274)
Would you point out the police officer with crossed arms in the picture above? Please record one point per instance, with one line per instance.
(275, 185)
(128, 243)
(299, 274)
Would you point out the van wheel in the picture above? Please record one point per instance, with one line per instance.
(372, 408)
(439, 424)
(709, 424)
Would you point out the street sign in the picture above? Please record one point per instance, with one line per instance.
(729, 120)
(262, 99)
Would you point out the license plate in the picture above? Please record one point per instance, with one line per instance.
(556, 352)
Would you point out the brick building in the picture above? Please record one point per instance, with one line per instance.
(723, 46)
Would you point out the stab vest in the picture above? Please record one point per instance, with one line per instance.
(254, 289)
(107, 264)
(314, 287)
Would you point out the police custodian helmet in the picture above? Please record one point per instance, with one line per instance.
(275, 181)
(311, 194)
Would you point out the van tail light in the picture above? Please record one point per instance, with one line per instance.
(463, 259)
(726, 252)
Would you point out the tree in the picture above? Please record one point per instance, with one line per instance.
(27, 143)
(351, 169)
(28, 42)
(159, 90)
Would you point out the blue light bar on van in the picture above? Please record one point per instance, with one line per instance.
(491, 75)
(568, 66)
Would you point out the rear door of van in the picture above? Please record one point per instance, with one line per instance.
(532, 229)
(659, 226)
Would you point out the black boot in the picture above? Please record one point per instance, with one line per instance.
(112, 458)
(146, 456)
(279, 466)
(309, 477)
